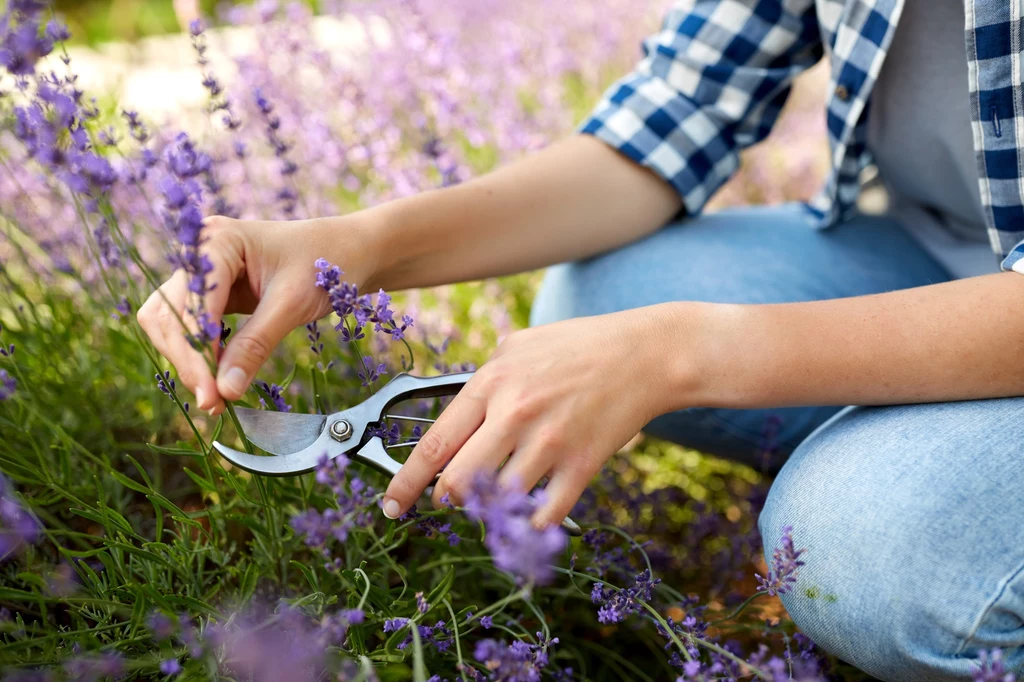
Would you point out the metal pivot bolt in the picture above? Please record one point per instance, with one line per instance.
(341, 430)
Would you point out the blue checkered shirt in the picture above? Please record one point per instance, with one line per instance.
(714, 80)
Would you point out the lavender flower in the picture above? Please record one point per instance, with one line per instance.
(516, 662)
(24, 45)
(171, 666)
(334, 628)
(184, 220)
(274, 391)
(166, 384)
(287, 194)
(268, 647)
(17, 526)
(353, 500)
(395, 624)
(616, 605)
(992, 668)
(161, 626)
(515, 544)
(371, 371)
(359, 310)
(785, 565)
(8, 384)
(95, 668)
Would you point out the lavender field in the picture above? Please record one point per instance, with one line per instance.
(130, 550)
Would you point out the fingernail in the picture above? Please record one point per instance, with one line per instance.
(201, 398)
(391, 508)
(236, 380)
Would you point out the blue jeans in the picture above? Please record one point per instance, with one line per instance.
(912, 515)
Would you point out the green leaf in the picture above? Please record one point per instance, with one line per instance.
(287, 381)
(175, 452)
(443, 588)
(128, 483)
(203, 483)
(249, 581)
(419, 668)
(308, 572)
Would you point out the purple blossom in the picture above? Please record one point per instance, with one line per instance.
(8, 384)
(353, 500)
(23, 46)
(171, 666)
(17, 526)
(334, 628)
(992, 668)
(161, 626)
(394, 624)
(166, 384)
(95, 668)
(287, 195)
(616, 605)
(421, 604)
(360, 310)
(274, 391)
(516, 545)
(268, 647)
(371, 371)
(57, 32)
(785, 565)
(516, 662)
(432, 526)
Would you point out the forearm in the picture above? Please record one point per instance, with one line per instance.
(954, 341)
(574, 199)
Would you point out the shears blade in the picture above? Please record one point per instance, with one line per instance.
(280, 433)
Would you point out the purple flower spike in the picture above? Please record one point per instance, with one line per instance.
(17, 526)
(516, 662)
(170, 667)
(8, 384)
(515, 544)
(785, 565)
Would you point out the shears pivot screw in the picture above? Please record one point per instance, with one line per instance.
(341, 430)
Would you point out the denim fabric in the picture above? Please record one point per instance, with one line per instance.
(912, 516)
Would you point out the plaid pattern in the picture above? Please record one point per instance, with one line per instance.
(714, 80)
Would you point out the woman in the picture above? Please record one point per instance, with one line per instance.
(696, 328)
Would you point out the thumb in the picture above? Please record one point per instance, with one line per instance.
(252, 345)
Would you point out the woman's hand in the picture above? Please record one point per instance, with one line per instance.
(263, 268)
(556, 401)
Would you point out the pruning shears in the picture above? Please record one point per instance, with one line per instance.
(297, 442)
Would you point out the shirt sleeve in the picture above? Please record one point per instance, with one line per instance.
(1014, 261)
(712, 82)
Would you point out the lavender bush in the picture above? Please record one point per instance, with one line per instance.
(129, 550)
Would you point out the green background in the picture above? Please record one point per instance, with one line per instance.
(97, 21)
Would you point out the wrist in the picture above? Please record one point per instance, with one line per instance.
(700, 347)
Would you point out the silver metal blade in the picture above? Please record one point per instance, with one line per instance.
(280, 433)
(283, 465)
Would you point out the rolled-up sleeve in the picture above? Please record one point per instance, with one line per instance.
(1014, 261)
(711, 83)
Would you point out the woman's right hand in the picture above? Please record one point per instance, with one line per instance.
(263, 268)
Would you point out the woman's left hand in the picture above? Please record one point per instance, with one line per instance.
(556, 401)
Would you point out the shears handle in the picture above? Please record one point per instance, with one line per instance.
(409, 387)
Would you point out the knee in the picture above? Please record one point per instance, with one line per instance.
(876, 588)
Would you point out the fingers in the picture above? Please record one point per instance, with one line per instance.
(439, 444)
(562, 492)
(161, 318)
(485, 450)
(250, 347)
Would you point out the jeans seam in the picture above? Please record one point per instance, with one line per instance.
(988, 607)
